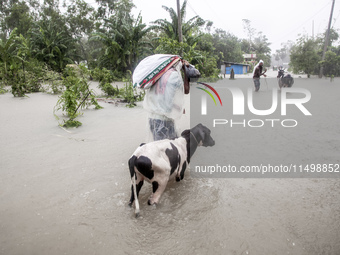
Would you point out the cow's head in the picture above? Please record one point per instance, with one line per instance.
(201, 135)
(280, 72)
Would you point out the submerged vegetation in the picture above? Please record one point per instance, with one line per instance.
(76, 95)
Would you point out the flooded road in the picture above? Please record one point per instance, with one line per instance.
(66, 192)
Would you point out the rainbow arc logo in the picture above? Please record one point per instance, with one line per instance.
(209, 93)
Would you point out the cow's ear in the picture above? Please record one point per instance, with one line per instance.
(201, 133)
(186, 132)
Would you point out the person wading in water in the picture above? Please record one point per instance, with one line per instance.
(257, 73)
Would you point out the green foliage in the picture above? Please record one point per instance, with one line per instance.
(108, 89)
(305, 56)
(18, 68)
(76, 94)
(208, 69)
(105, 78)
(261, 48)
(127, 93)
(18, 85)
(68, 101)
(169, 29)
(202, 60)
(331, 63)
(32, 83)
(52, 45)
(54, 81)
(171, 46)
(122, 40)
(15, 15)
(2, 90)
(226, 47)
(130, 95)
(71, 123)
(80, 17)
(7, 55)
(97, 74)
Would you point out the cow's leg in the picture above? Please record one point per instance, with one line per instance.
(133, 176)
(135, 191)
(158, 188)
(184, 166)
(138, 188)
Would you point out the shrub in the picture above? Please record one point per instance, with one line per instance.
(76, 95)
(105, 78)
(130, 94)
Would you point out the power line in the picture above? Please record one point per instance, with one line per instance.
(192, 8)
(215, 14)
(336, 19)
(302, 23)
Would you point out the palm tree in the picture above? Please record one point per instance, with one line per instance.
(170, 28)
(140, 43)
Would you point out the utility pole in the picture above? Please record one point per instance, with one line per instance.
(326, 40)
(180, 39)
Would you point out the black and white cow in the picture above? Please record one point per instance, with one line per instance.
(159, 161)
(284, 80)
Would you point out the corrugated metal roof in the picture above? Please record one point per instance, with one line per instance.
(233, 63)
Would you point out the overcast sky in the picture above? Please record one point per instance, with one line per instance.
(280, 21)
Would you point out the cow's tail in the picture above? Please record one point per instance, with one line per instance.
(133, 180)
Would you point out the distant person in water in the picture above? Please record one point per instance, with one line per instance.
(257, 73)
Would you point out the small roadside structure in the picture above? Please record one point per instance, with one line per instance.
(237, 67)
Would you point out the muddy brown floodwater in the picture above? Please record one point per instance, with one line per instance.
(66, 191)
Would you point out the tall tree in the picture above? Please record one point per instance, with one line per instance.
(332, 63)
(53, 46)
(228, 47)
(106, 8)
(305, 55)
(122, 39)
(81, 21)
(250, 31)
(80, 17)
(261, 48)
(14, 14)
(7, 52)
(170, 28)
(283, 55)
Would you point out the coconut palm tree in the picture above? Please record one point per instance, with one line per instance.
(170, 28)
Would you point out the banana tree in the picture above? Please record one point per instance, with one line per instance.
(7, 53)
(122, 44)
(22, 52)
(52, 45)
